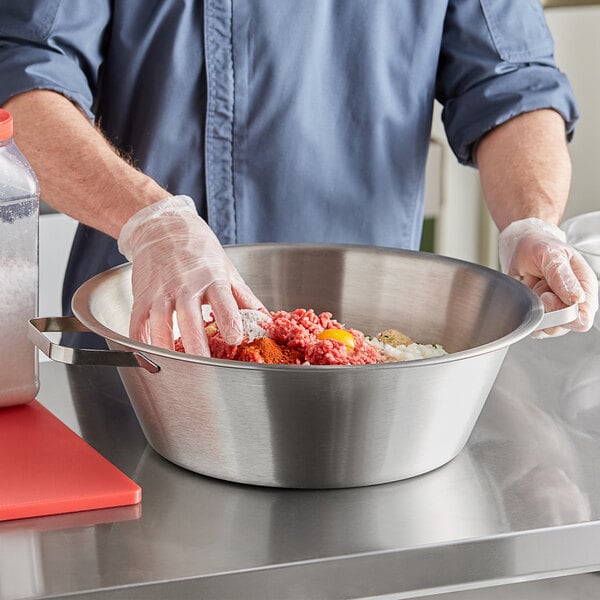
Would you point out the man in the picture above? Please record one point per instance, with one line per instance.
(284, 121)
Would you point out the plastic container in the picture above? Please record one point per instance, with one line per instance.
(19, 210)
(583, 233)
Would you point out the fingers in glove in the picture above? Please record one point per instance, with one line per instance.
(245, 296)
(533, 282)
(226, 311)
(587, 306)
(558, 271)
(191, 325)
(589, 283)
(161, 324)
(571, 280)
(139, 328)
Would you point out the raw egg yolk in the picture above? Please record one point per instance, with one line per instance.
(340, 335)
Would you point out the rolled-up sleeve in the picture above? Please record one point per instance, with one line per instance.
(55, 45)
(496, 62)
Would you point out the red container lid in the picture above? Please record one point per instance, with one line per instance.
(6, 125)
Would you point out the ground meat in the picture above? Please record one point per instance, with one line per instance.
(291, 338)
(299, 330)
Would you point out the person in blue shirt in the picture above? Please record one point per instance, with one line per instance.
(283, 121)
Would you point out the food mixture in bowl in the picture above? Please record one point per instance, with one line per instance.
(304, 337)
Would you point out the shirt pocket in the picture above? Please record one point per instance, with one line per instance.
(30, 20)
(519, 34)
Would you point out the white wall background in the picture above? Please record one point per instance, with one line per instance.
(577, 41)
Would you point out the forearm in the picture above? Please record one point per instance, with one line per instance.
(79, 173)
(525, 168)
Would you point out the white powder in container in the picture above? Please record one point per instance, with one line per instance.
(18, 359)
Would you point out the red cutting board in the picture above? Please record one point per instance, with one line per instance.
(47, 469)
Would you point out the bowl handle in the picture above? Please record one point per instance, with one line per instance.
(561, 316)
(81, 356)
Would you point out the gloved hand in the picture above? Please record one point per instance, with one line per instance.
(179, 264)
(536, 252)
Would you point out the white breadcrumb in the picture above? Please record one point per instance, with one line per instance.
(251, 322)
(406, 352)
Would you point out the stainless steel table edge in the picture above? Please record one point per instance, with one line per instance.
(408, 573)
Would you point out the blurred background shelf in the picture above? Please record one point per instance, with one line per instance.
(568, 3)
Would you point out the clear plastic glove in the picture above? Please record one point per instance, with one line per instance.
(536, 252)
(179, 264)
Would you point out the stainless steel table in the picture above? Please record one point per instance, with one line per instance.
(521, 502)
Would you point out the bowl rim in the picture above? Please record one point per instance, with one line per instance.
(80, 305)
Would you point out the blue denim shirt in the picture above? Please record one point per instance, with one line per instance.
(284, 120)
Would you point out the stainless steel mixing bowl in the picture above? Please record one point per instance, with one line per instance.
(327, 426)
